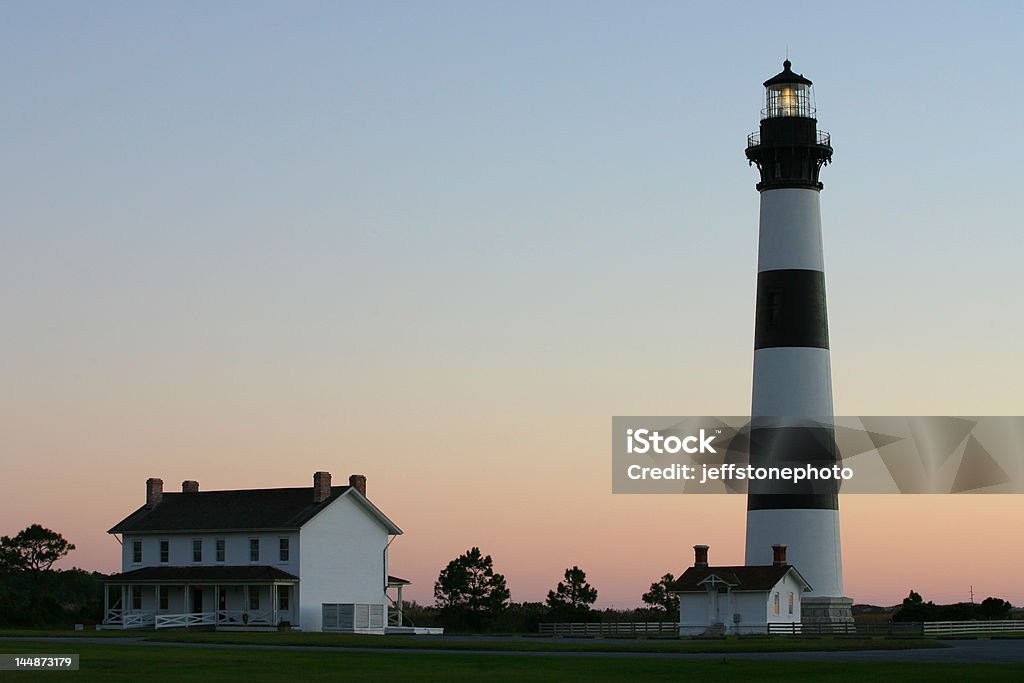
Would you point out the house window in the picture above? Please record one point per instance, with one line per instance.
(220, 550)
(197, 550)
(791, 602)
(136, 598)
(282, 598)
(254, 550)
(163, 597)
(165, 550)
(775, 609)
(137, 552)
(283, 546)
(254, 597)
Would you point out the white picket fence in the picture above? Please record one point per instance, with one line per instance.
(962, 628)
(928, 628)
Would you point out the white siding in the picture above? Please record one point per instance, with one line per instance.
(756, 609)
(784, 587)
(693, 608)
(341, 559)
(236, 550)
(753, 611)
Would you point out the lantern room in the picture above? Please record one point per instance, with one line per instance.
(788, 94)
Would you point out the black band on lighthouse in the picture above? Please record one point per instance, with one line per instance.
(793, 447)
(791, 309)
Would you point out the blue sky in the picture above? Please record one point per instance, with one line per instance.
(234, 230)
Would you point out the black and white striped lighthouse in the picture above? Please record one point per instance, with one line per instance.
(792, 414)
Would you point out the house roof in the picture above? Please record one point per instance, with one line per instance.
(203, 574)
(242, 510)
(743, 578)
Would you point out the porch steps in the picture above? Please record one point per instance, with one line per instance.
(714, 631)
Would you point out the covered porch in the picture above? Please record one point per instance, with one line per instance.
(222, 597)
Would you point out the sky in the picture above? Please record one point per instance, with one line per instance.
(441, 244)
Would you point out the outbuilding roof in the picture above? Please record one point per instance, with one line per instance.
(743, 578)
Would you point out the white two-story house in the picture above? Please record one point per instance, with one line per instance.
(308, 558)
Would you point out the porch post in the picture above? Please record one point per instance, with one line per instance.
(106, 602)
(185, 600)
(273, 604)
(124, 601)
(399, 606)
(245, 603)
(216, 603)
(156, 601)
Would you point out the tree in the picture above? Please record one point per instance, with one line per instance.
(469, 583)
(659, 595)
(33, 550)
(914, 608)
(25, 566)
(574, 594)
(995, 608)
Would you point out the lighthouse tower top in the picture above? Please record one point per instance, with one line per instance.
(788, 149)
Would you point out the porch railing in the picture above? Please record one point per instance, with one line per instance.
(137, 619)
(185, 619)
(243, 618)
(218, 618)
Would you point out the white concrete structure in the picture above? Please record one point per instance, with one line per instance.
(791, 408)
(253, 559)
(738, 600)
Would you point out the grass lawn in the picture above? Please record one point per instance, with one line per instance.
(515, 643)
(153, 664)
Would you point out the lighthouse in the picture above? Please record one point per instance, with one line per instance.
(791, 408)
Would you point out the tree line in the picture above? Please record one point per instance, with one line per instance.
(470, 596)
(33, 594)
(914, 608)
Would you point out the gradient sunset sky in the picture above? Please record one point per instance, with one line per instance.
(441, 244)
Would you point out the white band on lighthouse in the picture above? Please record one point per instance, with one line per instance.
(805, 374)
(812, 538)
(790, 230)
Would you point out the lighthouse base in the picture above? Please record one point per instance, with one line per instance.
(827, 611)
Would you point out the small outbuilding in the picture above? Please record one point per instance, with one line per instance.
(738, 600)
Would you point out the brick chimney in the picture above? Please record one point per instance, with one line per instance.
(779, 553)
(190, 486)
(154, 492)
(700, 556)
(358, 482)
(321, 486)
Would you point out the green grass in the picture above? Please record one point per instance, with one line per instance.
(154, 664)
(516, 644)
